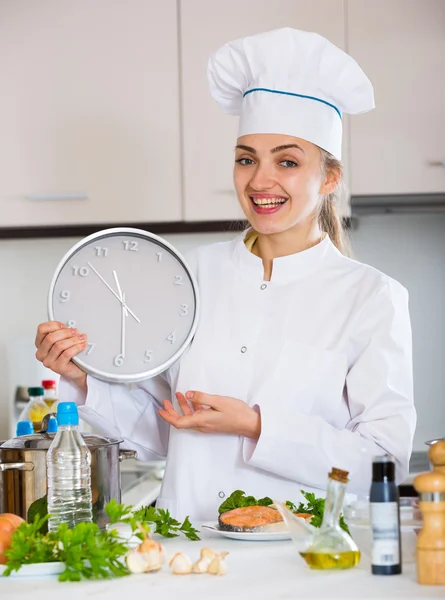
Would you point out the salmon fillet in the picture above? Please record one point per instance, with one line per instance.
(249, 518)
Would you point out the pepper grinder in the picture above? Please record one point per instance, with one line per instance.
(431, 538)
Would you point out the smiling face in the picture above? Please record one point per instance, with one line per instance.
(279, 180)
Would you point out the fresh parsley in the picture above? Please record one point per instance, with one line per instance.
(87, 551)
(90, 553)
(28, 546)
(165, 525)
(117, 512)
(291, 506)
(238, 499)
(163, 522)
(315, 507)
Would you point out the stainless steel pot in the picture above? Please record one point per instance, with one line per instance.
(23, 472)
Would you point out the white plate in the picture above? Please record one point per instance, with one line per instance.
(45, 569)
(247, 536)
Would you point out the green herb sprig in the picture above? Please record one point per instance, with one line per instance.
(163, 522)
(28, 546)
(315, 507)
(238, 499)
(87, 551)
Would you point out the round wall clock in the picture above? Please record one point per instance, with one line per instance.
(135, 298)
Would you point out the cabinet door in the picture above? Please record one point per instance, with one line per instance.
(400, 44)
(89, 112)
(209, 135)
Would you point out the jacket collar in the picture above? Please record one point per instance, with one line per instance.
(286, 268)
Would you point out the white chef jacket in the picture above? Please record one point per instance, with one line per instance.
(322, 351)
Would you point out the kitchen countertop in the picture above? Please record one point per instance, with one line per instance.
(256, 571)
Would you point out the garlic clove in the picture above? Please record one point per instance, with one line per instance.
(208, 553)
(148, 556)
(153, 559)
(218, 565)
(201, 566)
(149, 545)
(180, 564)
(136, 562)
(144, 562)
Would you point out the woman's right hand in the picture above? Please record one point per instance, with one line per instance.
(56, 345)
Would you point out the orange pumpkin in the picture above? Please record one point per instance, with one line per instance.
(8, 524)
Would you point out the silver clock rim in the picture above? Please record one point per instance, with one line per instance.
(117, 378)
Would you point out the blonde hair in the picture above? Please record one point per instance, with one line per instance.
(328, 218)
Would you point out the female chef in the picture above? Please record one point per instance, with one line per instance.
(302, 357)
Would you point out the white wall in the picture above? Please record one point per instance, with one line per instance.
(410, 248)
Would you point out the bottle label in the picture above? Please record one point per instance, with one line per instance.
(385, 533)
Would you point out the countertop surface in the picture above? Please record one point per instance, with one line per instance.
(256, 570)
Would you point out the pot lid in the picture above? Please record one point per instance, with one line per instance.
(42, 441)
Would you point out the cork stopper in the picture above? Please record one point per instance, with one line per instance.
(339, 475)
(437, 456)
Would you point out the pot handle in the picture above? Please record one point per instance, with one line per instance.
(45, 421)
(126, 454)
(25, 466)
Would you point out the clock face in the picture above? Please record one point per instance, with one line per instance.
(134, 297)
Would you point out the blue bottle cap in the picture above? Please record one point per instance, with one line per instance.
(52, 425)
(67, 414)
(24, 428)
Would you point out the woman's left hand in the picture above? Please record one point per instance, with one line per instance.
(224, 415)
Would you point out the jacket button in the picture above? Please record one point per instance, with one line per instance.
(264, 286)
(221, 495)
(243, 349)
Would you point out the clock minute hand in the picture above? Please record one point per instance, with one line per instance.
(121, 296)
(114, 293)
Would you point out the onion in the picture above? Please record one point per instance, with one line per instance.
(8, 524)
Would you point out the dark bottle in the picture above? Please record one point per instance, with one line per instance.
(385, 518)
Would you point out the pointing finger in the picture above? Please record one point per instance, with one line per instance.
(201, 400)
(187, 422)
(184, 405)
(168, 407)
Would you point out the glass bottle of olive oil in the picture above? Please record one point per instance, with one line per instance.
(332, 547)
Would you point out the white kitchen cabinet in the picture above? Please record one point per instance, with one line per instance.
(89, 109)
(209, 136)
(400, 44)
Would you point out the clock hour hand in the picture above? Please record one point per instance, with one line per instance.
(114, 293)
(124, 317)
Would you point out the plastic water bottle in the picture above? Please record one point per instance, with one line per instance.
(68, 464)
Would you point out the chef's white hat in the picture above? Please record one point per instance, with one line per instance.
(289, 82)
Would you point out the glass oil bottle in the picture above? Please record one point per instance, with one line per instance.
(332, 547)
